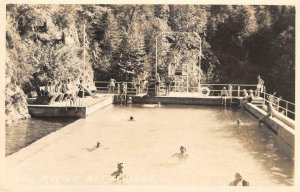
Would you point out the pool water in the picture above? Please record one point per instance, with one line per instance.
(22, 133)
(217, 148)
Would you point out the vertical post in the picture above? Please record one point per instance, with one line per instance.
(286, 108)
(83, 62)
(125, 92)
(187, 82)
(156, 54)
(119, 92)
(238, 91)
(264, 95)
(200, 53)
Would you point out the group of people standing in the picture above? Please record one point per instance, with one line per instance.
(141, 83)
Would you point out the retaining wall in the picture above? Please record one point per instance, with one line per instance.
(285, 132)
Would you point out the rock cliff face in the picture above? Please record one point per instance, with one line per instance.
(43, 43)
(15, 103)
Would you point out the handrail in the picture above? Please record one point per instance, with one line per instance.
(238, 90)
(281, 99)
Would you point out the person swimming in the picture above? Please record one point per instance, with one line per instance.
(119, 172)
(182, 153)
(98, 144)
(239, 181)
(131, 118)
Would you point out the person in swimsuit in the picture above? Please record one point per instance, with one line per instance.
(119, 172)
(111, 86)
(244, 98)
(224, 94)
(259, 87)
(269, 113)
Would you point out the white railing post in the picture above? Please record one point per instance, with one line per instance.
(286, 108)
(187, 83)
(264, 95)
(238, 90)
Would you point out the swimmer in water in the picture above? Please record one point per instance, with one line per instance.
(131, 118)
(98, 144)
(182, 154)
(239, 181)
(119, 172)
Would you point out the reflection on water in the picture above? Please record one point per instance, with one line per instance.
(24, 132)
(213, 127)
(216, 145)
(275, 156)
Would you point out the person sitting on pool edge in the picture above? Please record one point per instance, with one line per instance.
(182, 154)
(270, 112)
(224, 94)
(244, 98)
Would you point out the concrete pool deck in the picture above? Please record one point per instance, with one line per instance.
(83, 108)
(285, 132)
(68, 156)
(187, 99)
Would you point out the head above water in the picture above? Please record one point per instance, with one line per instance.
(182, 149)
(131, 118)
(238, 176)
(120, 165)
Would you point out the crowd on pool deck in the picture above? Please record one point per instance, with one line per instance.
(142, 81)
(66, 90)
(58, 91)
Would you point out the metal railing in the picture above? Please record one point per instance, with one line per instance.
(103, 87)
(283, 106)
(215, 89)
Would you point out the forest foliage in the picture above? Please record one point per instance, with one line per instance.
(45, 42)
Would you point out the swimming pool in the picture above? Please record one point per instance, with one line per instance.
(22, 133)
(217, 148)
